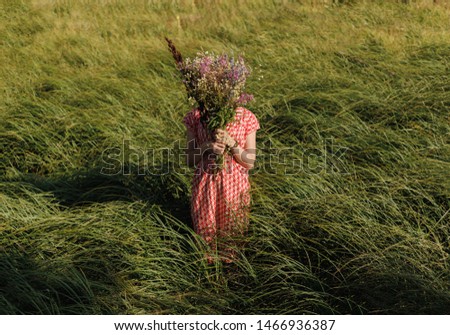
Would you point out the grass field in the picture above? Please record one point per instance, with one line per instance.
(357, 94)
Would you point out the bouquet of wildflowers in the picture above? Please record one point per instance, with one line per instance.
(216, 83)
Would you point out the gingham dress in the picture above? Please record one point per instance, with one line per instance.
(220, 202)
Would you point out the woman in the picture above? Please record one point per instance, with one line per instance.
(220, 198)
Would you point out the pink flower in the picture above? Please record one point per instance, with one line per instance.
(245, 98)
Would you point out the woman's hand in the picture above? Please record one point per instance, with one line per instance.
(218, 148)
(222, 136)
(215, 147)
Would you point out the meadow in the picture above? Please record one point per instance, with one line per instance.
(350, 207)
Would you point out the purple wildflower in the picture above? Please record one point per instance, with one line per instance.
(223, 60)
(205, 63)
(245, 98)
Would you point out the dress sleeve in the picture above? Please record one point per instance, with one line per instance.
(189, 121)
(252, 123)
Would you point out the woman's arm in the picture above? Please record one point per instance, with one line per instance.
(194, 154)
(245, 156)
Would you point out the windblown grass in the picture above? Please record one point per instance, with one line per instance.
(357, 95)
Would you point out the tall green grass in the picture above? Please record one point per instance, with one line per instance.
(358, 93)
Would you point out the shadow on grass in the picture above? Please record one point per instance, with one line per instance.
(28, 286)
(89, 186)
(395, 293)
(89, 281)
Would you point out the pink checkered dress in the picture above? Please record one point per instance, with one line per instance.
(220, 202)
